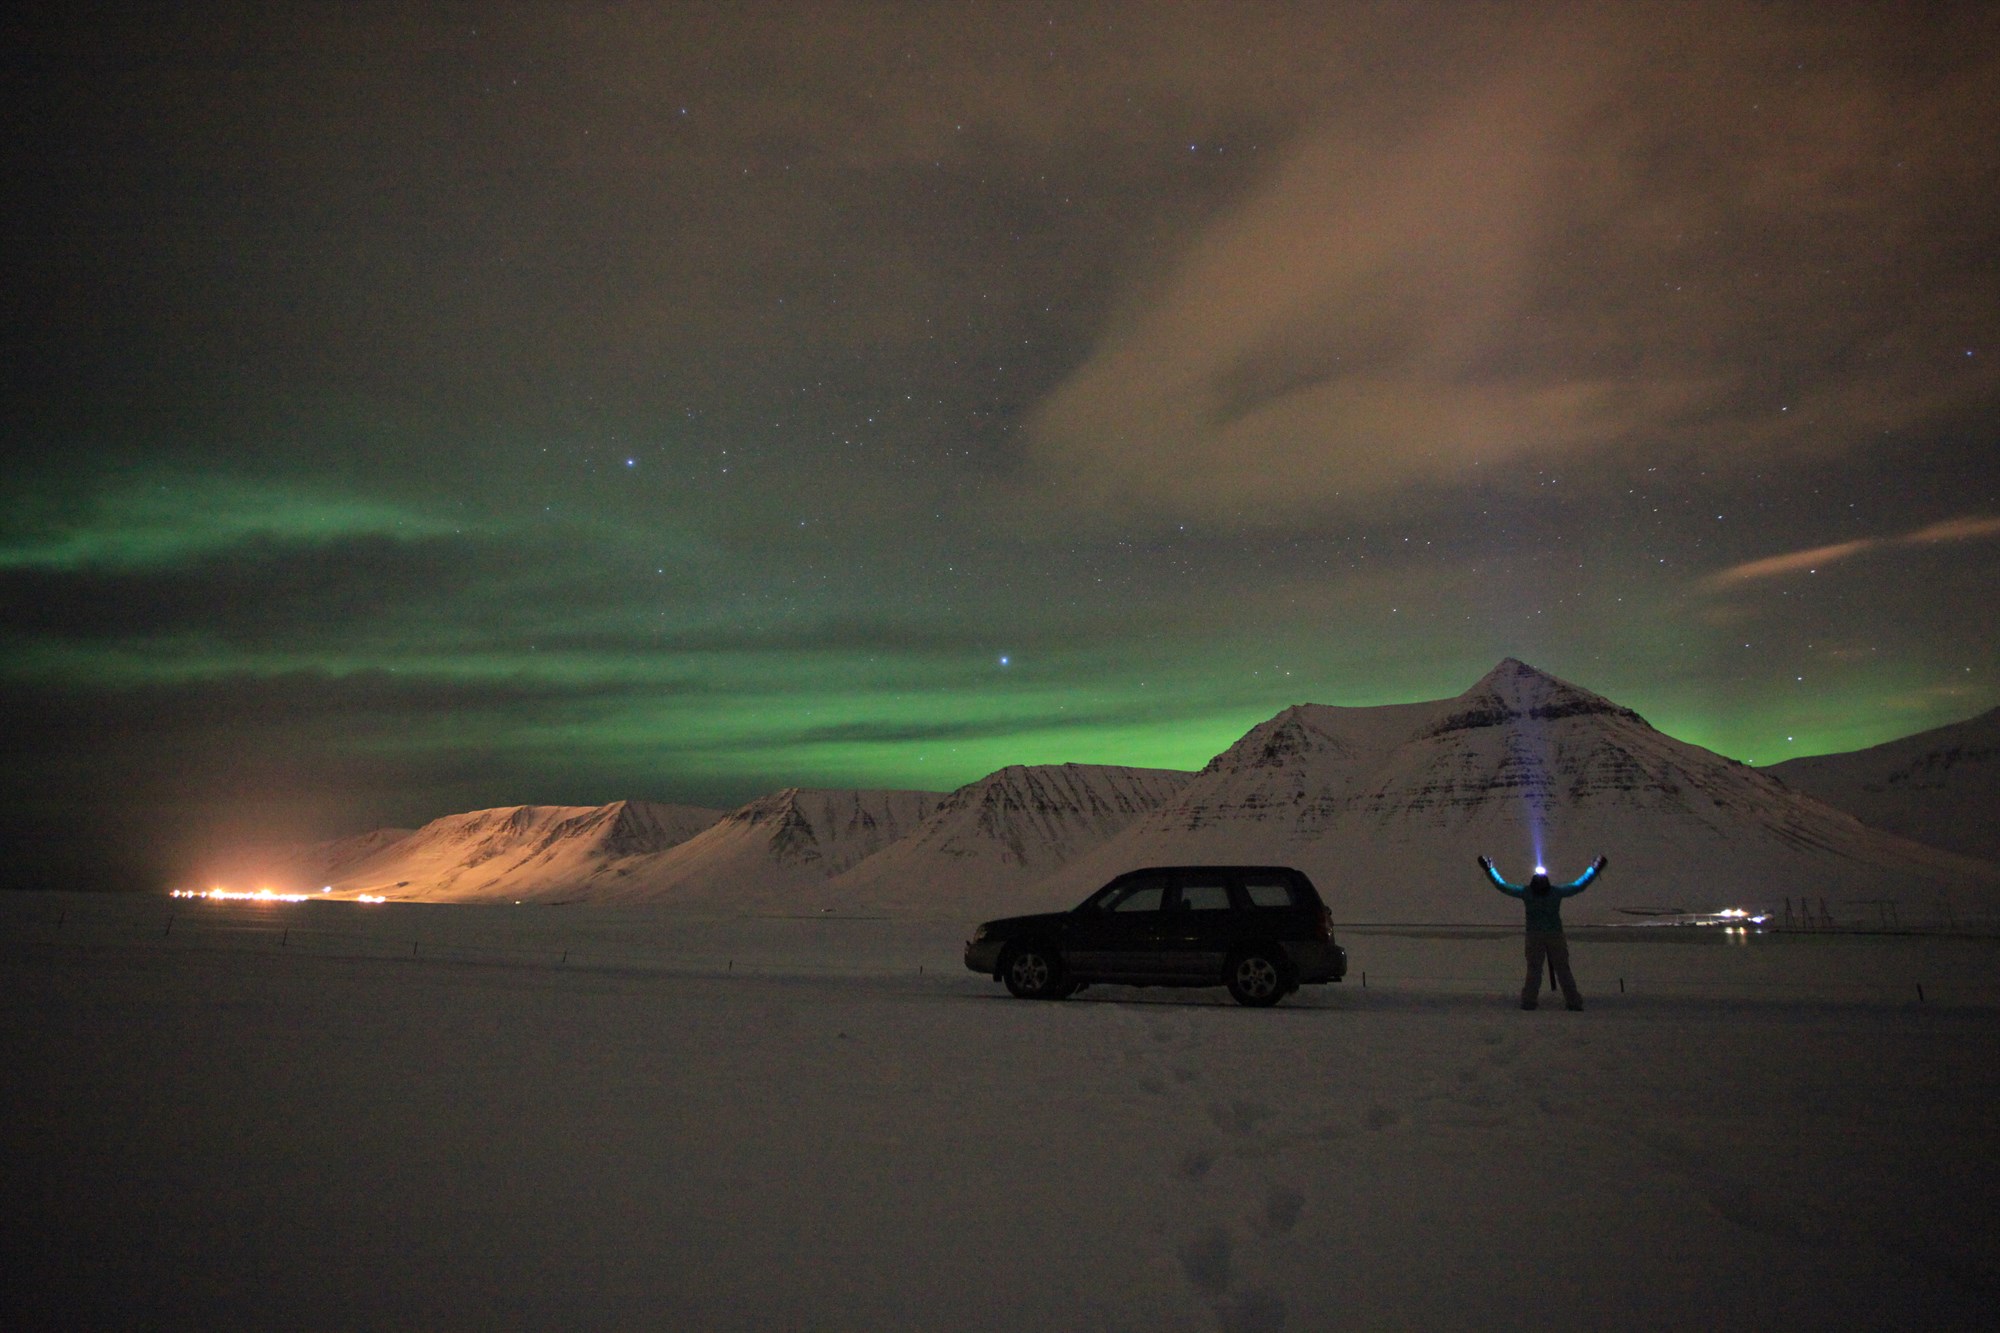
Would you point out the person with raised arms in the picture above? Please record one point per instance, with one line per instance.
(1546, 943)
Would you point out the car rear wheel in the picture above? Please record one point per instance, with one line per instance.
(1034, 973)
(1255, 978)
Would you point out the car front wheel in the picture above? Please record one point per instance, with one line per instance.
(1034, 973)
(1255, 979)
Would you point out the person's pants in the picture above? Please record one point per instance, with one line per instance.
(1548, 948)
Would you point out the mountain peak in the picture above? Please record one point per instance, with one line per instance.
(1282, 740)
(1513, 676)
(1513, 691)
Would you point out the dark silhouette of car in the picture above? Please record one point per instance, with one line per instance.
(1262, 931)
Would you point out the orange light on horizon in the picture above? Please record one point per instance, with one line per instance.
(268, 895)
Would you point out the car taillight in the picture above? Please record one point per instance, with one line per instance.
(1326, 924)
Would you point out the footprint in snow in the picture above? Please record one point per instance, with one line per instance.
(1282, 1207)
(1204, 1260)
(1196, 1162)
(1238, 1117)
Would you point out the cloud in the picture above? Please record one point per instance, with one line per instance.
(1818, 557)
(1703, 232)
(1791, 562)
(1954, 529)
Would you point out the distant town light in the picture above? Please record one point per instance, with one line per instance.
(218, 893)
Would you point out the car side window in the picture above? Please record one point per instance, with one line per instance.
(1205, 895)
(1143, 896)
(1268, 891)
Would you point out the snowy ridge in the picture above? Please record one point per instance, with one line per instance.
(1940, 786)
(1386, 808)
(990, 838)
(524, 851)
(768, 855)
(760, 857)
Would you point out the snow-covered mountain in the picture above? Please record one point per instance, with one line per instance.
(524, 851)
(1941, 787)
(757, 858)
(1387, 807)
(768, 855)
(990, 839)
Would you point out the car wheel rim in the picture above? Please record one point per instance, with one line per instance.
(1031, 971)
(1257, 977)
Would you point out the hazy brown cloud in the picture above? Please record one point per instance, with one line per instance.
(1714, 233)
(1791, 562)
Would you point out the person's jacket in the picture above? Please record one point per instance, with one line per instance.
(1543, 899)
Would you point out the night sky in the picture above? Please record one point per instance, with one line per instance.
(415, 407)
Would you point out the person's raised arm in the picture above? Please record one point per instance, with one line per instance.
(1582, 882)
(1511, 890)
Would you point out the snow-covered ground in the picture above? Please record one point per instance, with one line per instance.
(343, 1115)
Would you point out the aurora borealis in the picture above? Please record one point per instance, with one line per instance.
(418, 407)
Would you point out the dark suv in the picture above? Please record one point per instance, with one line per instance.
(1262, 931)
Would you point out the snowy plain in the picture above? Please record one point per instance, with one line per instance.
(337, 1115)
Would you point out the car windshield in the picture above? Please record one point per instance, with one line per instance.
(1129, 895)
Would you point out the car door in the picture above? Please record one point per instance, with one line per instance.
(1199, 925)
(1118, 933)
